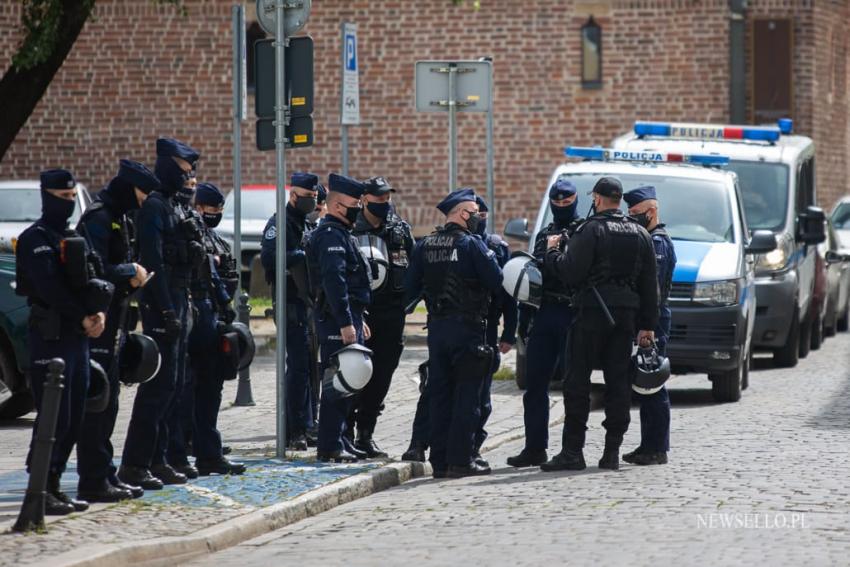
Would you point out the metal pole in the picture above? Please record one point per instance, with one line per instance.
(244, 396)
(32, 510)
(737, 62)
(280, 255)
(343, 127)
(491, 188)
(452, 128)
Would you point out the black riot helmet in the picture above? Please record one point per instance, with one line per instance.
(139, 360)
(247, 346)
(97, 398)
(650, 370)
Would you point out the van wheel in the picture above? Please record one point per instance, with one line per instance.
(788, 354)
(727, 386)
(844, 321)
(817, 333)
(806, 336)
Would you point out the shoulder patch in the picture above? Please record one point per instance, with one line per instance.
(271, 233)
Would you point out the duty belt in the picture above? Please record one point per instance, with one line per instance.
(552, 297)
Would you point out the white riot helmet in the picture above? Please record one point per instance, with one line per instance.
(376, 262)
(523, 280)
(350, 370)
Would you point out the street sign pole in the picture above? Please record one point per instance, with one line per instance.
(343, 124)
(280, 252)
(452, 127)
(349, 99)
(491, 188)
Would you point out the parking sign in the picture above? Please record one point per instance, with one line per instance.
(350, 111)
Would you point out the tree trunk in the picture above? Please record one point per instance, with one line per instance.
(20, 90)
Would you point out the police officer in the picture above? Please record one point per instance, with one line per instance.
(342, 284)
(547, 340)
(212, 293)
(379, 228)
(169, 247)
(61, 323)
(502, 305)
(109, 231)
(654, 408)
(610, 263)
(303, 193)
(457, 274)
(315, 380)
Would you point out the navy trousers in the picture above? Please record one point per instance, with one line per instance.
(206, 383)
(486, 407)
(299, 414)
(73, 348)
(547, 346)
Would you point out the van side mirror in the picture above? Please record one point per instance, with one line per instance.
(518, 228)
(811, 226)
(761, 242)
(833, 257)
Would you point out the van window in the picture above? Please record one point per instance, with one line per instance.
(841, 216)
(764, 188)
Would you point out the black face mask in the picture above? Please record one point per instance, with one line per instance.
(473, 222)
(642, 219)
(171, 176)
(212, 220)
(380, 210)
(55, 210)
(184, 196)
(351, 214)
(563, 216)
(305, 205)
(481, 229)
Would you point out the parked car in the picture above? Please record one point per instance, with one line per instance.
(15, 394)
(20, 206)
(840, 218)
(837, 262)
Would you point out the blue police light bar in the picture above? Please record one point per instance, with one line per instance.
(786, 125)
(707, 131)
(603, 154)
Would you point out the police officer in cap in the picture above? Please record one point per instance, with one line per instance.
(458, 275)
(654, 408)
(303, 194)
(107, 226)
(212, 293)
(380, 230)
(341, 278)
(168, 246)
(547, 340)
(61, 323)
(610, 263)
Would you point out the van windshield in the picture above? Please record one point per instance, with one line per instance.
(692, 209)
(764, 189)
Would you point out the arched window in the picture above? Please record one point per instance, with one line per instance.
(591, 55)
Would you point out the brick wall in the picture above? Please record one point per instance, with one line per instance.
(139, 71)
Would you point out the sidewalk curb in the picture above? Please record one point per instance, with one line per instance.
(236, 530)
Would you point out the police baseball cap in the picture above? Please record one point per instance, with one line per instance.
(609, 187)
(378, 186)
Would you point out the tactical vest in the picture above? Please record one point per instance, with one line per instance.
(619, 265)
(182, 243)
(446, 291)
(120, 249)
(395, 234)
(215, 246)
(554, 288)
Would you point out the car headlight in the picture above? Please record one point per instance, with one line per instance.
(717, 293)
(776, 259)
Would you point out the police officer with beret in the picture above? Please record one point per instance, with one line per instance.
(654, 408)
(342, 283)
(170, 246)
(610, 263)
(303, 194)
(547, 340)
(107, 227)
(212, 293)
(61, 323)
(457, 274)
(379, 230)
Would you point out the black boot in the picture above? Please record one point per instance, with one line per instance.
(55, 507)
(136, 491)
(529, 458)
(186, 469)
(643, 459)
(610, 459)
(415, 452)
(566, 460)
(139, 476)
(219, 466)
(340, 456)
(298, 442)
(350, 448)
(168, 475)
(630, 457)
(53, 488)
(367, 444)
(102, 491)
(479, 460)
(472, 469)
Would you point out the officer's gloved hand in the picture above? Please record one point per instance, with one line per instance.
(172, 324)
(228, 314)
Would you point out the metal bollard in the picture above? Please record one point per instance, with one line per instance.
(244, 396)
(32, 510)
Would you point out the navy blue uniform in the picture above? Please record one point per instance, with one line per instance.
(299, 414)
(55, 331)
(342, 281)
(655, 408)
(108, 231)
(458, 275)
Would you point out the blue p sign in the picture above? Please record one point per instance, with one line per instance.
(350, 52)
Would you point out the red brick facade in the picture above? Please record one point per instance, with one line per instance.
(140, 70)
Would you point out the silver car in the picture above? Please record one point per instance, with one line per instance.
(20, 206)
(258, 205)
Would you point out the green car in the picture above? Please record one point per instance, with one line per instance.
(15, 394)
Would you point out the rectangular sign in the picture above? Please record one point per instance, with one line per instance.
(299, 133)
(350, 101)
(298, 78)
(472, 85)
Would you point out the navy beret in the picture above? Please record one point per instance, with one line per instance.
(482, 205)
(57, 179)
(169, 147)
(378, 186)
(323, 193)
(455, 198)
(304, 180)
(138, 175)
(561, 189)
(609, 187)
(208, 194)
(346, 185)
(639, 195)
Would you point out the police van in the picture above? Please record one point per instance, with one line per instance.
(713, 297)
(776, 176)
